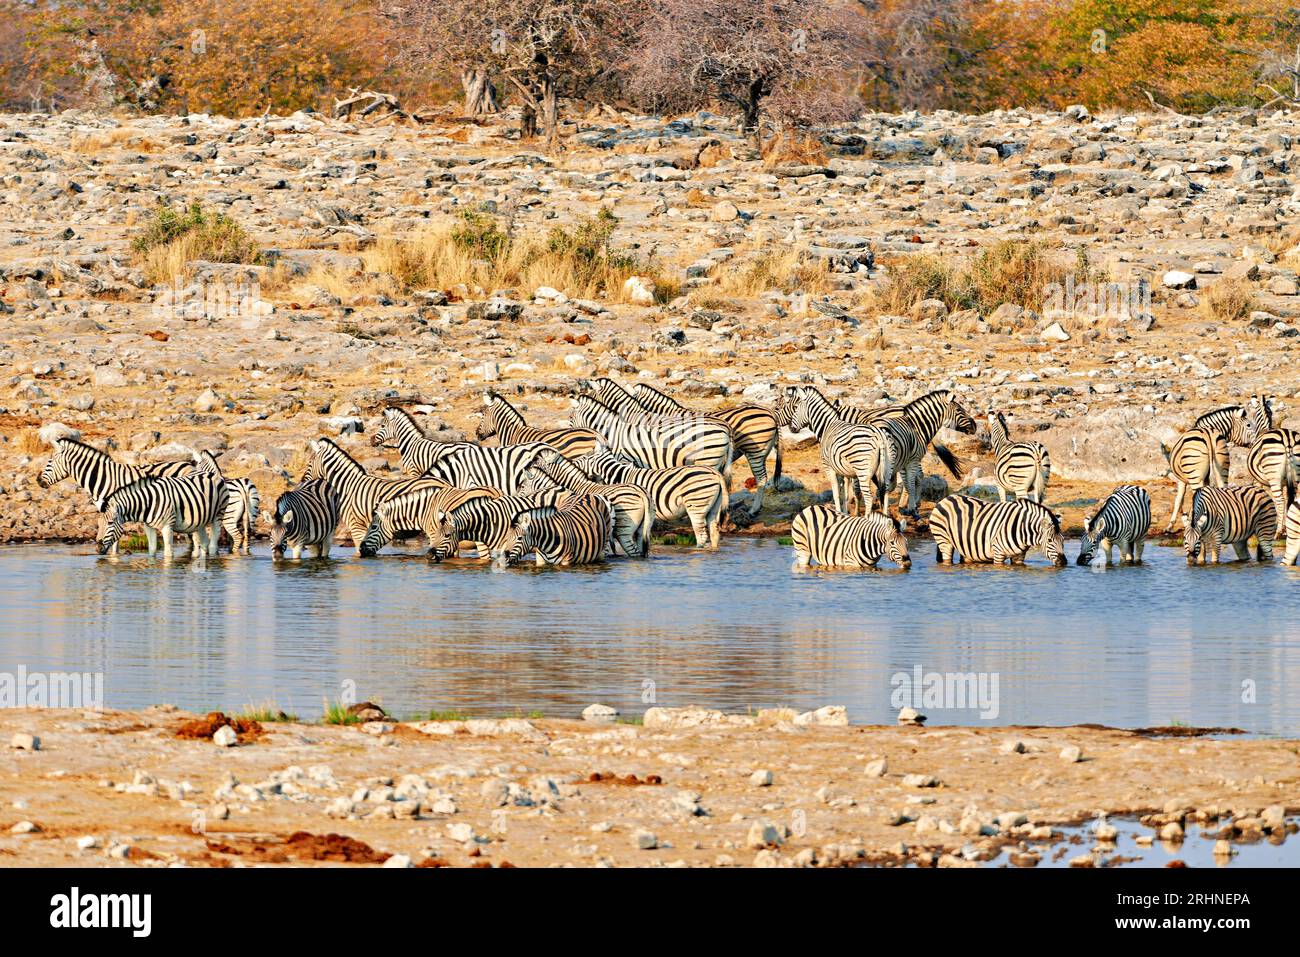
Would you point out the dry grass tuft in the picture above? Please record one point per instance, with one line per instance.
(120, 138)
(790, 147)
(28, 442)
(1229, 300)
(786, 268)
(176, 237)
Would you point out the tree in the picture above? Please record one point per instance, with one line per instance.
(765, 57)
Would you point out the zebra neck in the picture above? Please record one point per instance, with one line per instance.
(821, 415)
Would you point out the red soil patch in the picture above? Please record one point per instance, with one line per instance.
(205, 727)
(629, 780)
(303, 846)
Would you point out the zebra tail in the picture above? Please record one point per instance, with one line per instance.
(946, 456)
(776, 471)
(647, 529)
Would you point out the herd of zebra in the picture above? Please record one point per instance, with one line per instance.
(595, 487)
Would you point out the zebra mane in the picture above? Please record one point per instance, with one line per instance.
(585, 397)
(647, 387)
(403, 414)
(496, 398)
(929, 399)
(330, 443)
(84, 445)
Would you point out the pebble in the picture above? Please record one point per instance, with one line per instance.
(645, 840)
(225, 737)
(25, 742)
(761, 779)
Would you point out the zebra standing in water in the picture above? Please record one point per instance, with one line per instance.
(502, 419)
(694, 491)
(634, 512)
(483, 520)
(419, 454)
(305, 517)
(242, 502)
(1199, 458)
(101, 475)
(1292, 533)
(754, 433)
(359, 494)
(824, 536)
(413, 512)
(576, 532)
(1023, 468)
(914, 426)
(1123, 519)
(1274, 462)
(1236, 515)
(659, 442)
(995, 532)
(188, 504)
(862, 452)
(483, 466)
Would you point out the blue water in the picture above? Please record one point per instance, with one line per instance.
(737, 629)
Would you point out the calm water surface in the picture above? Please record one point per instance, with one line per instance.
(737, 629)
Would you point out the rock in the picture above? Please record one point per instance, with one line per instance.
(910, 716)
(832, 715)
(208, 401)
(495, 310)
(724, 212)
(399, 861)
(1055, 333)
(920, 781)
(645, 840)
(761, 779)
(599, 712)
(764, 833)
(640, 290)
(929, 310)
(225, 737)
(877, 768)
(87, 842)
(25, 742)
(1071, 754)
(25, 827)
(1177, 279)
(51, 432)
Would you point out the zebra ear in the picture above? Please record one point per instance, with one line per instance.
(267, 518)
(288, 517)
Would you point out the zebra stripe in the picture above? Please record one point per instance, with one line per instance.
(1023, 468)
(242, 502)
(503, 420)
(487, 522)
(1199, 458)
(415, 511)
(419, 453)
(849, 451)
(995, 532)
(482, 466)
(634, 512)
(1123, 519)
(1233, 515)
(693, 491)
(1239, 424)
(359, 494)
(1274, 462)
(305, 517)
(659, 443)
(189, 504)
(754, 434)
(576, 532)
(98, 472)
(1292, 533)
(824, 536)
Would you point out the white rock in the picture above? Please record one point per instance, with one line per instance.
(877, 768)
(599, 712)
(763, 833)
(1177, 279)
(1055, 333)
(646, 840)
(225, 737)
(761, 779)
(25, 742)
(640, 290)
(399, 861)
(1071, 753)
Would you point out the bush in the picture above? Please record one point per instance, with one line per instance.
(1229, 300)
(176, 237)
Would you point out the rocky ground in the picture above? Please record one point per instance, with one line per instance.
(688, 788)
(1181, 202)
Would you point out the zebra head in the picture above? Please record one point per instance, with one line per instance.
(1094, 530)
(58, 467)
(487, 423)
(518, 542)
(896, 544)
(1196, 533)
(380, 532)
(956, 417)
(315, 465)
(387, 431)
(444, 537)
(1048, 537)
(1259, 410)
(533, 480)
(279, 524)
(786, 405)
(110, 529)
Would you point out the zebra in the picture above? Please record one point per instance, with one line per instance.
(413, 512)
(754, 434)
(483, 520)
(576, 532)
(419, 453)
(914, 426)
(634, 512)
(1274, 462)
(1292, 533)
(863, 452)
(1023, 468)
(189, 504)
(242, 502)
(502, 419)
(359, 494)
(995, 532)
(661, 442)
(824, 536)
(305, 517)
(1123, 520)
(694, 491)
(1199, 458)
(1234, 515)
(482, 466)
(1240, 424)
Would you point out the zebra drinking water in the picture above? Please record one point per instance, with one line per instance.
(576, 532)
(1235, 515)
(824, 536)
(995, 532)
(634, 512)
(1123, 519)
(188, 504)
(305, 517)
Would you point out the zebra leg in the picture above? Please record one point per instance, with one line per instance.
(913, 479)
(1292, 550)
(1002, 492)
(166, 535)
(700, 524)
(834, 478)
(1178, 505)
(758, 465)
(715, 522)
(151, 536)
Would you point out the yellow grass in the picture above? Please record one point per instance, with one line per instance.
(1229, 300)
(120, 138)
(790, 147)
(787, 268)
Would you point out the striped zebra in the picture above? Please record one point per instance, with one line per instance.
(1235, 515)
(1240, 425)
(186, 504)
(1274, 462)
(415, 511)
(1292, 533)
(419, 453)
(483, 466)
(305, 517)
(754, 434)
(693, 491)
(995, 532)
(658, 443)
(849, 451)
(242, 503)
(1199, 458)
(1023, 468)
(824, 536)
(359, 494)
(1123, 520)
(576, 532)
(634, 512)
(487, 522)
(914, 426)
(503, 420)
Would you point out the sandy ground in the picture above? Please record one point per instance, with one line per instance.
(688, 788)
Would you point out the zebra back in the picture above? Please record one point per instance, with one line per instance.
(995, 531)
